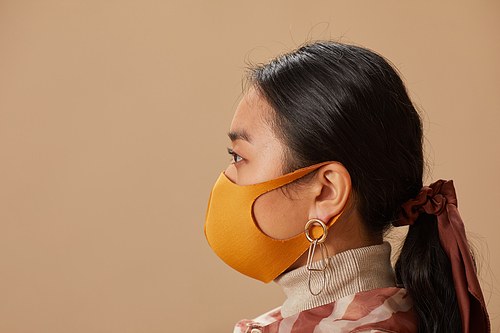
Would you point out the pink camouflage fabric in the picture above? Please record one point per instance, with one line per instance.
(377, 310)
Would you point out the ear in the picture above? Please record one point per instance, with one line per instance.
(331, 190)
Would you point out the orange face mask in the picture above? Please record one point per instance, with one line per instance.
(235, 237)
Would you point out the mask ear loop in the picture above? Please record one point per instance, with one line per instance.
(312, 248)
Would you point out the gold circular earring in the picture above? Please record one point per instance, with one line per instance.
(312, 248)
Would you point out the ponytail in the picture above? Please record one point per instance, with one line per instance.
(423, 268)
(436, 266)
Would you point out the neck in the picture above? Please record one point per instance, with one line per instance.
(348, 272)
(346, 234)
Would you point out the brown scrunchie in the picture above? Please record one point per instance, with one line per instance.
(440, 199)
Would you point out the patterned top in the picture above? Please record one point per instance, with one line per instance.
(361, 297)
(377, 310)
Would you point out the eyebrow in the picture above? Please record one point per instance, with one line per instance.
(238, 135)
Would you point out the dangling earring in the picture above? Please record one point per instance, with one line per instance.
(312, 248)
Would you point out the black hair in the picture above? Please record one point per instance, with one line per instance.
(337, 102)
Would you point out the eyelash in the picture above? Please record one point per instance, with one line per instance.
(235, 156)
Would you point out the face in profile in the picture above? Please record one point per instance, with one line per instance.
(258, 156)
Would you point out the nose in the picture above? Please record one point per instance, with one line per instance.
(231, 173)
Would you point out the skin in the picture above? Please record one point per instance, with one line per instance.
(258, 156)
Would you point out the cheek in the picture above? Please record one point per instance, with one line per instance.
(280, 217)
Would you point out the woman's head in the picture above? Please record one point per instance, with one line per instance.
(328, 102)
(335, 102)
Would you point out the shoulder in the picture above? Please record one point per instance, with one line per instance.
(377, 310)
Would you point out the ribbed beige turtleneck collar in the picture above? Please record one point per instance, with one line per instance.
(348, 273)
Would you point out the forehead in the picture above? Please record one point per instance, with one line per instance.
(254, 139)
(252, 119)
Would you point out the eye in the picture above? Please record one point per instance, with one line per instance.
(236, 158)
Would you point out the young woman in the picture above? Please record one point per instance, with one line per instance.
(327, 156)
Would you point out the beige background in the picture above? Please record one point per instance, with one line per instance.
(113, 121)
